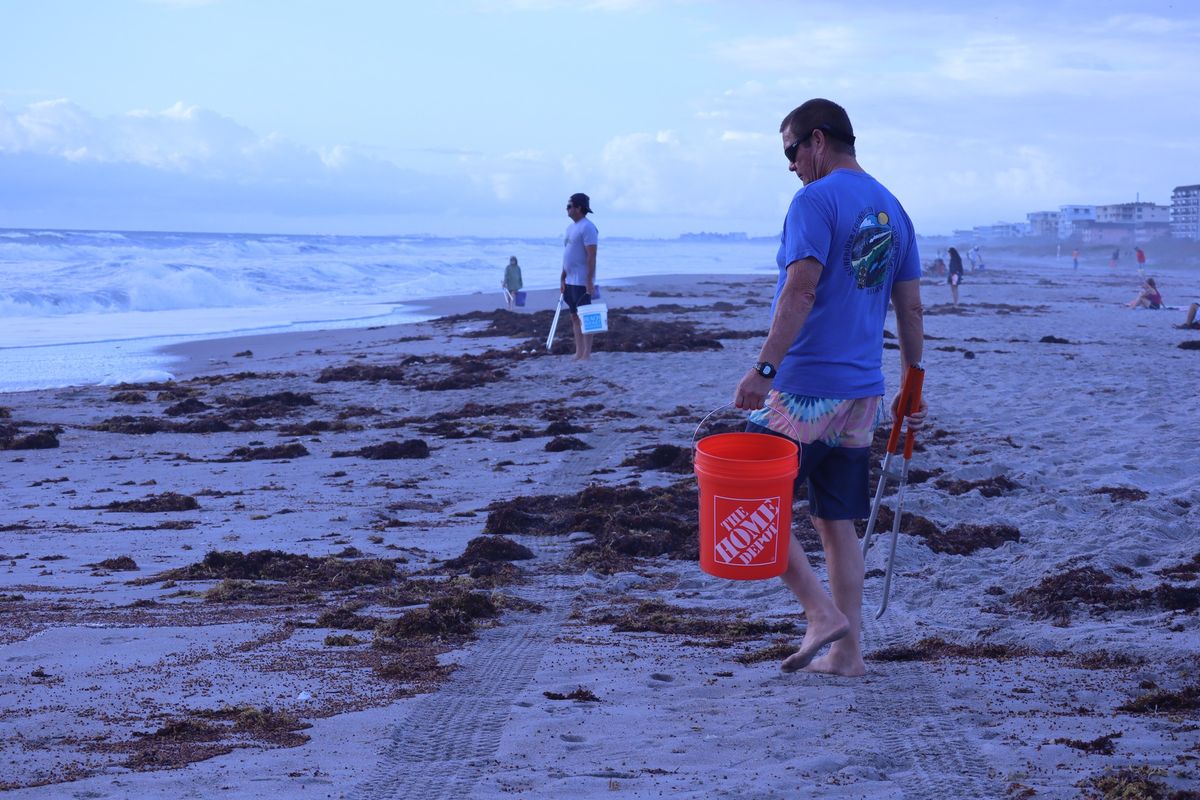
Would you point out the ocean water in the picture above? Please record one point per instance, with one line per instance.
(87, 307)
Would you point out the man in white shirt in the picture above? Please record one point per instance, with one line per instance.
(578, 280)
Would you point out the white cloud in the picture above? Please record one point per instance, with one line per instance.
(185, 161)
(745, 136)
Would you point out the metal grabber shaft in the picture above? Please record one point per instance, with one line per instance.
(910, 402)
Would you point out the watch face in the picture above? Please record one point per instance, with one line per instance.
(766, 370)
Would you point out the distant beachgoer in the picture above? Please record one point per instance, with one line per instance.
(1140, 254)
(847, 250)
(512, 282)
(1112, 262)
(1075, 258)
(1149, 297)
(956, 273)
(1192, 322)
(972, 258)
(976, 258)
(578, 281)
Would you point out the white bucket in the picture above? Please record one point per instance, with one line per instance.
(593, 318)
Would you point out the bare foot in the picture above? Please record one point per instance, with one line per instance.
(814, 639)
(829, 665)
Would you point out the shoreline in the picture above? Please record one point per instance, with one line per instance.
(202, 355)
(138, 358)
(134, 665)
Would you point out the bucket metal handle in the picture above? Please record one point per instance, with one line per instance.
(727, 405)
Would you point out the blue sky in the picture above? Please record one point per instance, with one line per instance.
(482, 116)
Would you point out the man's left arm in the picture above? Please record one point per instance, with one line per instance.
(910, 329)
(591, 269)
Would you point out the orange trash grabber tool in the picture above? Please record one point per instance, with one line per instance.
(910, 402)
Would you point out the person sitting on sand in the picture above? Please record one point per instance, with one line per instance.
(1191, 322)
(1149, 298)
(512, 282)
(956, 273)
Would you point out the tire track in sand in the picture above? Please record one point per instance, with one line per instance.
(929, 751)
(441, 747)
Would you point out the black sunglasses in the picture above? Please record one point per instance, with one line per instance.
(570, 206)
(789, 152)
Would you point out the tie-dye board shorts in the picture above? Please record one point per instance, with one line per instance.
(835, 438)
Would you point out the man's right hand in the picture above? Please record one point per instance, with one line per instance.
(751, 391)
(915, 419)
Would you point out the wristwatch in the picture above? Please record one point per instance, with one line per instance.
(766, 369)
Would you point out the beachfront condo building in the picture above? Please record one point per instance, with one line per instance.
(1185, 212)
(1068, 216)
(1043, 223)
(1133, 213)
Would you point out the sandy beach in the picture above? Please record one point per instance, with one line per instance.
(432, 560)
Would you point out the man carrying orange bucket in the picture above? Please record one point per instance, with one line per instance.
(847, 249)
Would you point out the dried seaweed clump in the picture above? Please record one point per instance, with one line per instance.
(189, 405)
(580, 694)
(278, 404)
(933, 648)
(11, 438)
(1132, 783)
(1162, 700)
(276, 727)
(988, 487)
(631, 334)
(362, 372)
(327, 573)
(388, 451)
(1101, 745)
(467, 372)
(281, 451)
(965, 538)
(625, 521)
(196, 737)
(450, 616)
(156, 503)
(484, 549)
(1058, 595)
(655, 616)
(118, 564)
(665, 457)
(419, 666)
(144, 425)
(912, 524)
(1186, 571)
(560, 444)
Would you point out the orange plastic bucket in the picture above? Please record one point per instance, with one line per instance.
(745, 503)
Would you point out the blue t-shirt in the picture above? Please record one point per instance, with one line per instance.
(865, 242)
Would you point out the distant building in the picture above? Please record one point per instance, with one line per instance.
(1089, 231)
(1185, 212)
(1043, 223)
(1145, 220)
(1133, 213)
(1068, 216)
(1001, 230)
